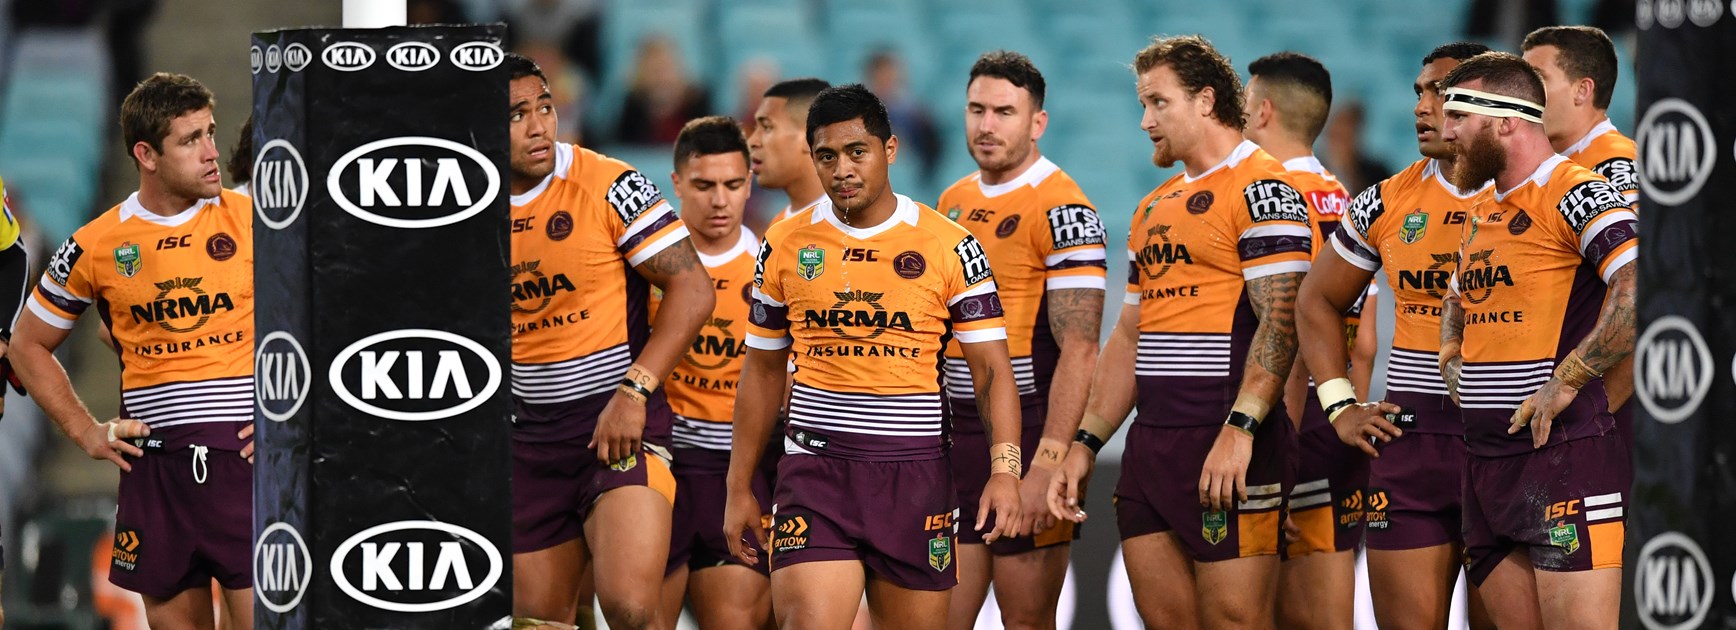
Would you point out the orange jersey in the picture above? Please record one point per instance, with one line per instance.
(1041, 234)
(701, 388)
(790, 210)
(1327, 201)
(176, 293)
(1409, 225)
(1533, 270)
(868, 311)
(1609, 154)
(579, 310)
(1195, 244)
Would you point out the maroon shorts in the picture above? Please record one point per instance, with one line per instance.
(696, 530)
(1412, 500)
(556, 476)
(1159, 490)
(896, 518)
(183, 520)
(1326, 503)
(970, 471)
(1563, 504)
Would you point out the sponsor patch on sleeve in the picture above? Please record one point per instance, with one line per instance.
(1075, 225)
(61, 264)
(1584, 202)
(1621, 174)
(1365, 209)
(974, 260)
(1275, 200)
(632, 194)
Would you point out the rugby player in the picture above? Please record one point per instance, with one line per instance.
(14, 284)
(779, 144)
(864, 289)
(1045, 242)
(183, 436)
(590, 436)
(1408, 225)
(1525, 345)
(1204, 344)
(1288, 97)
(711, 180)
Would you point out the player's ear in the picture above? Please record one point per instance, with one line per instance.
(891, 149)
(1583, 89)
(1205, 100)
(146, 155)
(1039, 124)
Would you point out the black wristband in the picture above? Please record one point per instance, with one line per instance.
(1243, 421)
(1090, 440)
(636, 387)
(1334, 407)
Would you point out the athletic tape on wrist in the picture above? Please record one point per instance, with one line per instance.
(1049, 453)
(1005, 458)
(1335, 395)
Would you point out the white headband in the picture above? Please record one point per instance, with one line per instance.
(1477, 102)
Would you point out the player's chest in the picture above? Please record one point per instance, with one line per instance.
(833, 274)
(1183, 232)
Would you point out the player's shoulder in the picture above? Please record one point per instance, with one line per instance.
(930, 222)
(1265, 186)
(1578, 194)
(961, 188)
(1060, 189)
(793, 221)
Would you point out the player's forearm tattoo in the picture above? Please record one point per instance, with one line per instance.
(675, 259)
(985, 401)
(1274, 300)
(1075, 314)
(1612, 340)
(1452, 321)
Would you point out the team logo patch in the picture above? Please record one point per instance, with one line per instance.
(940, 552)
(954, 212)
(560, 226)
(909, 265)
(1274, 200)
(126, 550)
(625, 464)
(789, 532)
(220, 247)
(60, 265)
(810, 262)
(1415, 225)
(1214, 526)
(127, 260)
(1007, 227)
(747, 293)
(1374, 508)
(1566, 536)
(1198, 203)
(1519, 224)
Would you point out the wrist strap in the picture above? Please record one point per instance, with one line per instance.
(1573, 371)
(1005, 458)
(1336, 395)
(643, 378)
(1246, 423)
(634, 390)
(1049, 453)
(1090, 440)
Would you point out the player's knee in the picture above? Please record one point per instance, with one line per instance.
(630, 615)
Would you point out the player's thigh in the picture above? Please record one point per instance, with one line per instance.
(1510, 593)
(818, 595)
(1028, 585)
(187, 610)
(975, 569)
(238, 606)
(1236, 593)
(674, 592)
(1413, 588)
(730, 597)
(1158, 569)
(893, 606)
(628, 573)
(1318, 590)
(546, 582)
(1579, 599)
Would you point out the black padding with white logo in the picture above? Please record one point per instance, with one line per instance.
(1275, 200)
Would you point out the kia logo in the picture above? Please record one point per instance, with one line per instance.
(281, 375)
(412, 56)
(282, 567)
(296, 56)
(279, 184)
(1673, 583)
(273, 58)
(415, 375)
(413, 182)
(477, 55)
(255, 59)
(422, 566)
(1672, 369)
(348, 56)
(1676, 151)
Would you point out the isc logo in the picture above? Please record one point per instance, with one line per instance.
(416, 566)
(477, 55)
(412, 56)
(415, 375)
(279, 184)
(348, 56)
(413, 182)
(282, 567)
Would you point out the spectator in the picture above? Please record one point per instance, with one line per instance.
(572, 26)
(1502, 23)
(568, 86)
(753, 78)
(917, 136)
(661, 98)
(1344, 156)
(434, 12)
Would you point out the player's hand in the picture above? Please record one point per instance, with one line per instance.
(1540, 409)
(246, 434)
(619, 429)
(1001, 497)
(742, 518)
(1450, 368)
(1224, 479)
(1066, 492)
(108, 440)
(1033, 500)
(1360, 422)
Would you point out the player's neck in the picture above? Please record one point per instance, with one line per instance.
(521, 184)
(996, 178)
(715, 246)
(1584, 120)
(1285, 149)
(1215, 146)
(803, 191)
(1527, 154)
(875, 214)
(156, 199)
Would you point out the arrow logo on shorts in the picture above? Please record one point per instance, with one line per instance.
(796, 526)
(127, 541)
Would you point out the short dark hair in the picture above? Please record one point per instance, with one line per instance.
(241, 157)
(849, 102)
(1015, 68)
(519, 66)
(1302, 86)
(1199, 66)
(1584, 52)
(155, 103)
(797, 94)
(709, 135)
(1459, 51)
(1502, 73)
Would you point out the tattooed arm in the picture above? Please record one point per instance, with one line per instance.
(1612, 339)
(1452, 338)
(688, 298)
(1076, 319)
(997, 397)
(1273, 350)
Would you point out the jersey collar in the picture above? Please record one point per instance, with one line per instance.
(1033, 175)
(1433, 170)
(1305, 164)
(1539, 176)
(563, 163)
(905, 213)
(1597, 130)
(132, 208)
(744, 245)
(1242, 151)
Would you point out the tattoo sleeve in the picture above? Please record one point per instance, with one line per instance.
(1274, 347)
(985, 402)
(675, 259)
(1612, 339)
(1076, 320)
(1452, 321)
(1075, 314)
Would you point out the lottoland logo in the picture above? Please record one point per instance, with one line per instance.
(416, 566)
(413, 182)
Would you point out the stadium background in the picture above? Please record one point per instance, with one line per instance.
(65, 64)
